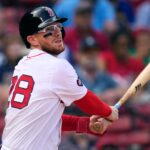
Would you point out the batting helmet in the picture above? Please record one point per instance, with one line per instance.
(36, 20)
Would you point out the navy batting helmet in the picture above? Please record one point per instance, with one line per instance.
(36, 20)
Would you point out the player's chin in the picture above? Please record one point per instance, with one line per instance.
(60, 46)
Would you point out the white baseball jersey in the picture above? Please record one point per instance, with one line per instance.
(42, 85)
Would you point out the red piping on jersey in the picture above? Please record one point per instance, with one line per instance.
(29, 57)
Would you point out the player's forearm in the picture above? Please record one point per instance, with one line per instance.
(69, 123)
(93, 105)
(75, 123)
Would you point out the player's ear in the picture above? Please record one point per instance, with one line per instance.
(32, 40)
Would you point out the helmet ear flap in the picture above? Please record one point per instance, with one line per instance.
(63, 32)
(24, 39)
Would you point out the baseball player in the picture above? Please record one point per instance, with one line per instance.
(42, 85)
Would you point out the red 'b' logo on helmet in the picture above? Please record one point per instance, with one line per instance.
(50, 12)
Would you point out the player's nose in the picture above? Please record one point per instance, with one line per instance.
(57, 32)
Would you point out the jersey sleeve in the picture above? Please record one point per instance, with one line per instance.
(66, 83)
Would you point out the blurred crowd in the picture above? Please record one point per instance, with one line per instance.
(108, 43)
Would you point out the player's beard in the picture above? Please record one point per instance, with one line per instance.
(52, 50)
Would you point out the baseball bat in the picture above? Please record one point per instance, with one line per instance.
(137, 84)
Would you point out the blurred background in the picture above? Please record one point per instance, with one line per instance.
(108, 43)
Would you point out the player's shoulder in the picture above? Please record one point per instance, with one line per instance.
(63, 66)
(63, 63)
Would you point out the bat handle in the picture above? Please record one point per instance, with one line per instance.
(117, 105)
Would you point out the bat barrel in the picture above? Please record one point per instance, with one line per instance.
(138, 83)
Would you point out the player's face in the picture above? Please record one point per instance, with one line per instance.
(50, 39)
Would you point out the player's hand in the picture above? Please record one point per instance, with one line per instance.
(114, 115)
(98, 125)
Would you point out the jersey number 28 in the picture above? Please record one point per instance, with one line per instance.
(24, 91)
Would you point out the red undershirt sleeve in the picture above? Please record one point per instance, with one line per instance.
(93, 105)
(75, 123)
(89, 104)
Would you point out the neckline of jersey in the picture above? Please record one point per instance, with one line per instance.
(35, 53)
